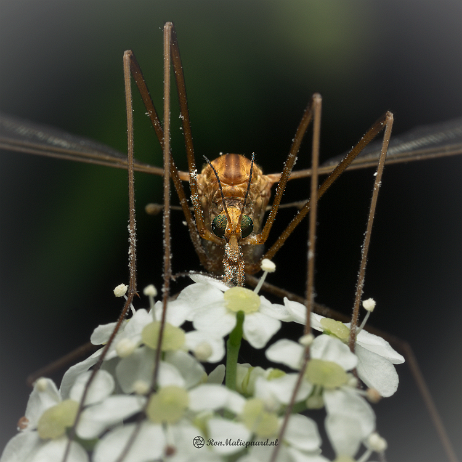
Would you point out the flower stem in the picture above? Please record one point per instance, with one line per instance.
(232, 346)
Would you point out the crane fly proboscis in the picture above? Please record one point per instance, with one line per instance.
(426, 142)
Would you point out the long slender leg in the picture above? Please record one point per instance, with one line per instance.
(166, 216)
(291, 158)
(309, 301)
(367, 237)
(181, 88)
(314, 211)
(131, 253)
(341, 167)
(155, 121)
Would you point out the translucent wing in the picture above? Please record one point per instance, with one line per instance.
(24, 136)
(425, 142)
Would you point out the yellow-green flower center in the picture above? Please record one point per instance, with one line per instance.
(54, 421)
(172, 340)
(259, 421)
(242, 299)
(167, 405)
(325, 373)
(336, 328)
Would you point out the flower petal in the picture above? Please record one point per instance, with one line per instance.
(286, 352)
(217, 375)
(148, 445)
(345, 401)
(101, 387)
(135, 325)
(178, 311)
(215, 319)
(274, 310)
(190, 369)
(43, 396)
(280, 390)
(344, 434)
(54, 450)
(21, 447)
(302, 433)
(195, 338)
(297, 311)
(259, 328)
(102, 333)
(316, 322)
(222, 430)
(376, 371)
(332, 349)
(204, 279)
(95, 419)
(212, 397)
(139, 366)
(74, 371)
(380, 346)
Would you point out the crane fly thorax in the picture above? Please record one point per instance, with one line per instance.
(234, 172)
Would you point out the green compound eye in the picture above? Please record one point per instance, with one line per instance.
(246, 226)
(219, 225)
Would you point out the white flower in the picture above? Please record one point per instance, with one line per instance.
(350, 420)
(28, 447)
(113, 410)
(43, 396)
(179, 368)
(375, 355)
(206, 346)
(44, 434)
(147, 446)
(323, 347)
(277, 392)
(154, 436)
(375, 359)
(212, 308)
(127, 339)
(300, 443)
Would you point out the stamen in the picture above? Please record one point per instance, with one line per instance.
(125, 347)
(373, 395)
(141, 387)
(368, 305)
(120, 290)
(377, 443)
(150, 291)
(41, 384)
(268, 267)
(203, 351)
(306, 340)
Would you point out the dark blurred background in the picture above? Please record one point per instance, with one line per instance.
(250, 69)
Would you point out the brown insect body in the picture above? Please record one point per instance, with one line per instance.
(232, 256)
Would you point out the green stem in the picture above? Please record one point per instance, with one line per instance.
(232, 346)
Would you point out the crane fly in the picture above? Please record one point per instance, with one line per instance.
(231, 194)
(426, 142)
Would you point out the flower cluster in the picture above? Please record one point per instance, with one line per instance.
(190, 414)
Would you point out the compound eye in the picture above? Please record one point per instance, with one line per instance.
(246, 226)
(219, 225)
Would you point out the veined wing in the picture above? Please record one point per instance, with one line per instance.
(425, 142)
(24, 136)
